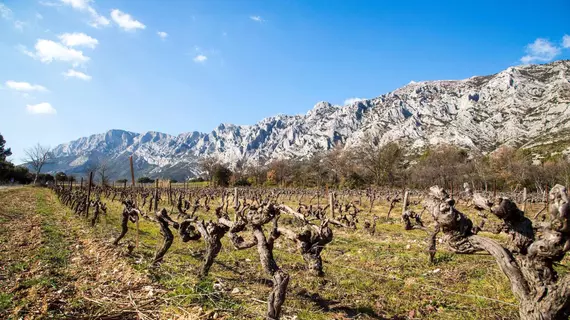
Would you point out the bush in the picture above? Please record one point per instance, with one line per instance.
(243, 182)
(145, 180)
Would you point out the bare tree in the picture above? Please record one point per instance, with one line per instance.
(207, 165)
(381, 161)
(102, 170)
(37, 156)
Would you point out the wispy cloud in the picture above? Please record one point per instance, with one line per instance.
(541, 50)
(257, 18)
(48, 51)
(566, 41)
(41, 108)
(200, 58)
(352, 100)
(78, 39)
(162, 34)
(19, 25)
(125, 21)
(5, 12)
(24, 86)
(97, 20)
(76, 74)
(49, 3)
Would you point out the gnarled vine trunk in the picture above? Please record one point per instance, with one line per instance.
(528, 257)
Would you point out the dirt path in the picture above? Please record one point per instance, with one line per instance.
(51, 266)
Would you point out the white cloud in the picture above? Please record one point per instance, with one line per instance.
(162, 34)
(39, 16)
(125, 21)
(541, 50)
(5, 12)
(97, 20)
(76, 74)
(41, 108)
(78, 39)
(77, 4)
(566, 41)
(24, 86)
(48, 51)
(200, 58)
(257, 18)
(352, 100)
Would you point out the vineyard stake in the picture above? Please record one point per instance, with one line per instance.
(132, 171)
(331, 202)
(88, 193)
(156, 195)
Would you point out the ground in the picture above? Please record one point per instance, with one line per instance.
(53, 264)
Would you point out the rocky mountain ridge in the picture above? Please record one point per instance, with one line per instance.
(524, 106)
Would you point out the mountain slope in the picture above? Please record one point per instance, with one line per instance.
(523, 106)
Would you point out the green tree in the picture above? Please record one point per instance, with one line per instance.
(61, 176)
(4, 153)
(221, 175)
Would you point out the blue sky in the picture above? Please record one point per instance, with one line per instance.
(71, 68)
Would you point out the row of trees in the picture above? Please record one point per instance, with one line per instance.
(36, 157)
(369, 164)
(388, 165)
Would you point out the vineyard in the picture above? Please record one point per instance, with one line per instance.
(171, 251)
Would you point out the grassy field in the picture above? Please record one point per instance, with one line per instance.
(53, 264)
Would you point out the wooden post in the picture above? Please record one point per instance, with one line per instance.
(125, 184)
(81, 187)
(88, 193)
(170, 191)
(70, 184)
(404, 204)
(236, 199)
(524, 200)
(132, 171)
(156, 195)
(331, 203)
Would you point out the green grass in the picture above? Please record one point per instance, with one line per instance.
(5, 302)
